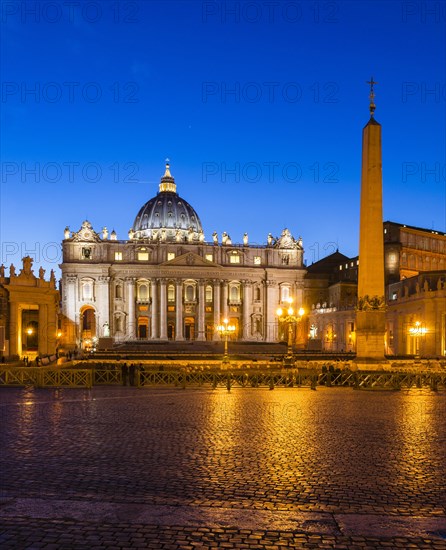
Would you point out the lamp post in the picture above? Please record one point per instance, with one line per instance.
(225, 329)
(289, 317)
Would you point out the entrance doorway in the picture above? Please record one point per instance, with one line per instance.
(88, 328)
(143, 328)
(189, 328)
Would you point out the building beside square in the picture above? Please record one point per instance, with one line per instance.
(29, 307)
(414, 270)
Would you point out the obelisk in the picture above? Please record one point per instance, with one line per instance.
(370, 315)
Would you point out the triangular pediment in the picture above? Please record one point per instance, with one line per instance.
(190, 259)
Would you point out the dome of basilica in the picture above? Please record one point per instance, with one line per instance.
(167, 216)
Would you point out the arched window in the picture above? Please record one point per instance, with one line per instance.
(143, 293)
(257, 294)
(118, 324)
(118, 291)
(189, 293)
(208, 293)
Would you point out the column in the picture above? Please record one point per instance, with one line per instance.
(154, 308)
(179, 310)
(271, 304)
(247, 302)
(216, 307)
(15, 329)
(224, 298)
(43, 329)
(52, 328)
(163, 310)
(130, 308)
(201, 305)
(103, 305)
(69, 309)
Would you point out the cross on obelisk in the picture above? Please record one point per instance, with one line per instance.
(372, 95)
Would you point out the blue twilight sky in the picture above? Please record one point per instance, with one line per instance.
(258, 104)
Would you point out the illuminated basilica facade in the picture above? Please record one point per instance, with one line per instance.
(166, 282)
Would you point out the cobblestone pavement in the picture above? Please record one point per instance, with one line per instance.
(116, 467)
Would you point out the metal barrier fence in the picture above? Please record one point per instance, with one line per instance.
(357, 380)
(44, 377)
(86, 378)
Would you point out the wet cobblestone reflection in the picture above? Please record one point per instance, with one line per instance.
(263, 457)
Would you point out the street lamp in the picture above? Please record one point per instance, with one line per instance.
(289, 317)
(225, 330)
(417, 331)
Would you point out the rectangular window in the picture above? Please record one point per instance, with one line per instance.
(208, 309)
(170, 256)
(143, 256)
(257, 260)
(118, 256)
(170, 308)
(234, 259)
(209, 257)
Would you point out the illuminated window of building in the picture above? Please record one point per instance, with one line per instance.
(284, 293)
(170, 256)
(209, 257)
(257, 260)
(171, 308)
(234, 293)
(171, 293)
(143, 255)
(208, 293)
(234, 258)
(208, 309)
(118, 256)
(87, 290)
(340, 268)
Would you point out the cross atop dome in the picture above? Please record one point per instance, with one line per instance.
(167, 183)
